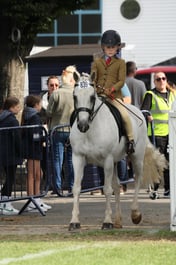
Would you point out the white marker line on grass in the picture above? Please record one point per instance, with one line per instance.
(40, 254)
(50, 252)
(28, 256)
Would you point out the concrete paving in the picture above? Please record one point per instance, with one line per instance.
(156, 214)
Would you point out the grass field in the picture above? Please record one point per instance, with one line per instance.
(90, 248)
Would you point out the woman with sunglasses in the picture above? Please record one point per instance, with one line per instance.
(52, 84)
(158, 103)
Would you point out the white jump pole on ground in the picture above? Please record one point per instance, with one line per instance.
(172, 164)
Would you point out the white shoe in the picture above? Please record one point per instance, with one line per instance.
(48, 207)
(6, 208)
(35, 209)
(32, 208)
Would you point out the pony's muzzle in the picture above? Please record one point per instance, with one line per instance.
(83, 126)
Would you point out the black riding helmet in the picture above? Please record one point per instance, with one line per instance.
(111, 38)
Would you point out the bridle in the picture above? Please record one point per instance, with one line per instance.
(92, 111)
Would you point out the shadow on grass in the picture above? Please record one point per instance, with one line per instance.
(97, 235)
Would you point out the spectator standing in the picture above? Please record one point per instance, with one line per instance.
(9, 151)
(59, 110)
(137, 90)
(122, 165)
(32, 144)
(137, 87)
(52, 84)
(126, 95)
(158, 102)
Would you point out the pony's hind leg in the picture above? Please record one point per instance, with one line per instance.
(116, 188)
(136, 215)
(78, 165)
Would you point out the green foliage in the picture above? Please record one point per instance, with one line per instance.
(20, 21)
(32, 17)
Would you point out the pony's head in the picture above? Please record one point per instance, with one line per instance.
(84, 100)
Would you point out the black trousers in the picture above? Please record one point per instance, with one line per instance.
(10, 172)
(162, 144)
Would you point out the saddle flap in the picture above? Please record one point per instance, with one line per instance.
(117, 116)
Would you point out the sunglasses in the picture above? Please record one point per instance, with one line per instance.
(160, 78)
(52, 85)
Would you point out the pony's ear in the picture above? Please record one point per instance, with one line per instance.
(92, 77)
(76, 77)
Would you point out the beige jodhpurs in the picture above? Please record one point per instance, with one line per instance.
(125, 117)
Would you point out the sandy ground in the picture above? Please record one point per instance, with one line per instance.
(155, 214)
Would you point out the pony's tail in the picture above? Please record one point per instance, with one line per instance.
(154, 164)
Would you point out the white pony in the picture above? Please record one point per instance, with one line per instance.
(95, 139)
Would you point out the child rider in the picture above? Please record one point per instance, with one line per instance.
(110, 74)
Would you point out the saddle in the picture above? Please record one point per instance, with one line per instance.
(118, 118)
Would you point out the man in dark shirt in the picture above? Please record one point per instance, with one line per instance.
(137, 87)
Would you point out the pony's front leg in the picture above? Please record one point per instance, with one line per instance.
(78, 165)
(108, 172)
(116, 188)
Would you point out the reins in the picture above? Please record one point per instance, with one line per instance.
(119, 101)
(125, 106)
(92, 116)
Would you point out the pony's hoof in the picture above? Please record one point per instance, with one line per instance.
(118, 226)
(107, 226)
(74, 226)
(136, 217)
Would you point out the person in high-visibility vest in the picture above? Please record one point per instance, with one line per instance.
(158, 102)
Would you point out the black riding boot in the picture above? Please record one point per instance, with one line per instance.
(130, 147)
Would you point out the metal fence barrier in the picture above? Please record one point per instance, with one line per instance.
(18, 145)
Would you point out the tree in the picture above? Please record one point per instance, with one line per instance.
(20, 21)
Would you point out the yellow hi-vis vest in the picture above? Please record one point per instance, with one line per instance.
(160, 113)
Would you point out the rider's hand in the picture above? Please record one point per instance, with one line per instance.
(109, 92)
(150, 118)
